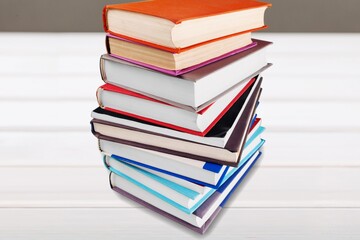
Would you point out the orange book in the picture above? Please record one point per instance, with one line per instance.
(177, 25)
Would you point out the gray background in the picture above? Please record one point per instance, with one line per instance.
(85, 15)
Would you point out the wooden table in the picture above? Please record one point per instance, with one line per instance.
(53, 184)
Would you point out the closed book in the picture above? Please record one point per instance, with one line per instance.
(176, 195)
(139, 106)
(198, 221)
(178, 63)
(177, 25)
(193, 90)
(174, 188)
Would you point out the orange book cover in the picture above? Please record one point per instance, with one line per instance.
(178, 11)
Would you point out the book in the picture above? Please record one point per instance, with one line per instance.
(176, 195)
(192, 90)
(175, 25)
(198, 221)
(226, 133)
(182, 62)
(173, 187)
(205, 173)
(195, 187)
(139, 106)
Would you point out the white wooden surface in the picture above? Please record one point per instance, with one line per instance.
(53, 184)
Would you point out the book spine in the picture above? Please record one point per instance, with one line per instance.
(98, 96)
(104, 16)
(102, 69)
(107, 44)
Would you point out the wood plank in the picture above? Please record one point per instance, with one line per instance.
(277, 115)
(312, 43)
(78, 53)
(53, 87)
(51, 43)
(46, 115)
(140, 224)
(264, 187)
(335, 64)
(317, 187)
(282, 149)
(286, 64)
(30, 43)
(58, 148)
(308, 88)
(43, 62)
(310, 116)
(52, 64)
(83, 86)
(313, 149)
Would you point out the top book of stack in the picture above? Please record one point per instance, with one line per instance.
(177, 26)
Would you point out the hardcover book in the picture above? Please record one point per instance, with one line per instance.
(175, 25)
(178, 62)
(170, 192)
(139, 106)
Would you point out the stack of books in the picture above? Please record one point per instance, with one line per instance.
(176, 122)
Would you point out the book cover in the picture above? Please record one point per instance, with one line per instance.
(167, 70)
(245, 50)
(177, 12)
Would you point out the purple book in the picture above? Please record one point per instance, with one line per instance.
(224, 191)
(167, 215)
(173, 72)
